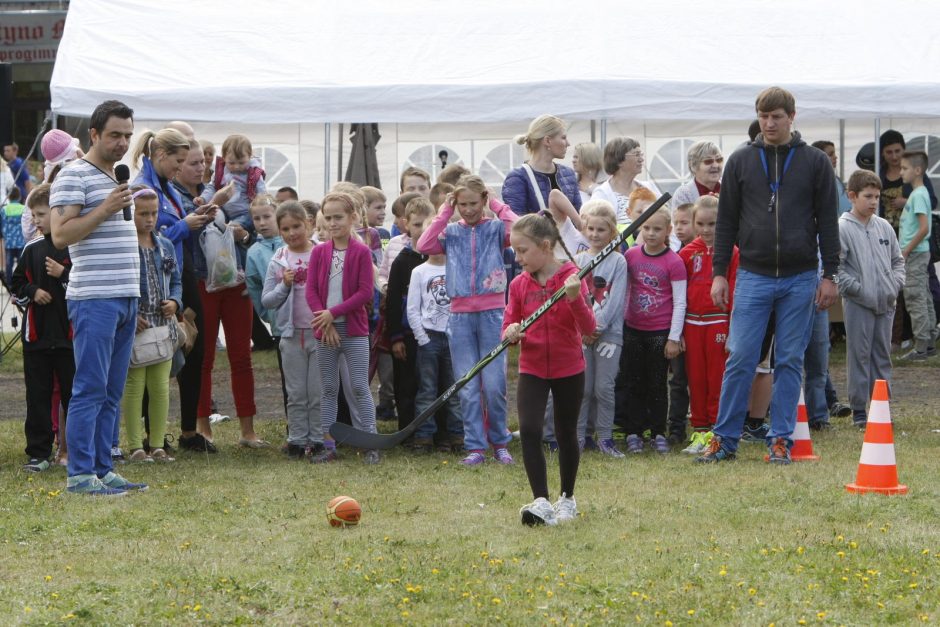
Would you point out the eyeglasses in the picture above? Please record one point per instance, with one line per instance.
(634, 153)
(713, 160)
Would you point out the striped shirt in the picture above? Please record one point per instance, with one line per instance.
(106, 263)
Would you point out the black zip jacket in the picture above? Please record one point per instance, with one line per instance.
(399, 278)
(44, 326)
(780, 239)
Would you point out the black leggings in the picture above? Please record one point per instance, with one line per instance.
(190, 377)
(531, 397)
(647, 399)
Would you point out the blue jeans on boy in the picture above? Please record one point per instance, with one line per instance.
(816, 366)
(792, 298)
(471, 336)
(435, 372)
(103, 331)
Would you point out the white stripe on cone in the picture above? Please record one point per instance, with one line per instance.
(877, 454)
(879, 412)
(801, 430)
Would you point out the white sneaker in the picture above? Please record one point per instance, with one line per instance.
(699, 443)
(565, 509)
(217, 418)
(539, 512)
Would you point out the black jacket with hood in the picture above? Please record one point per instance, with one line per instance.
(778, 240)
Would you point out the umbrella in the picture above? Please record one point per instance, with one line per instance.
(363, 168)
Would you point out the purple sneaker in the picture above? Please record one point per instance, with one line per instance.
(634, 444)
(660, 445)
(607, 447)
(503, 457)
(474, 458)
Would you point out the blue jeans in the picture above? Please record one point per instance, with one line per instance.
(816, 365)
(103, 336)
(471, 336)
(755, 296)
(435, 372)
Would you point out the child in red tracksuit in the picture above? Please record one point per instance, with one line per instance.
(706, 326)
(550, 360)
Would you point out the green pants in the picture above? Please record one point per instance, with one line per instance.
(156, 380)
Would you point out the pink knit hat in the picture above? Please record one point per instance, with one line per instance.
(58, 146)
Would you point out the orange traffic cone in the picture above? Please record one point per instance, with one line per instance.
(802, 449)
(877, 468)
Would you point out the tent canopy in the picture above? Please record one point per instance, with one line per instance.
(296, 61)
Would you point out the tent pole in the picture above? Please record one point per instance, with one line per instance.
(603, 133)
(877, 147)
(326, 157)
(593, 131)
(339, 170)
(842, 150)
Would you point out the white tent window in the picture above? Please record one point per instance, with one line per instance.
(279, 171)
(669, 167)
(426, 158)
(498, 162)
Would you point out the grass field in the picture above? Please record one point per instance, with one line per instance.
(241, 538)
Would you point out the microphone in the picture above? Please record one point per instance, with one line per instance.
(122, 173)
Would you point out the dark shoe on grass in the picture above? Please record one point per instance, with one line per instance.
(715, 453)
(197, 443)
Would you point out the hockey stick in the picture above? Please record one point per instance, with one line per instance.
(346, 434)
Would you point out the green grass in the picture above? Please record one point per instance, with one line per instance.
(242, 538)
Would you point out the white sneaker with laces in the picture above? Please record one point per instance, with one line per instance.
(539, 512)
(565, 509)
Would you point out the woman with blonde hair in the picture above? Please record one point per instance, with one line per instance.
(587, 162)
(530, 187)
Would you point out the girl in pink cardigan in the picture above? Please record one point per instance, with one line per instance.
(340, 285)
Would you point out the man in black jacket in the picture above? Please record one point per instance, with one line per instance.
(779, 204)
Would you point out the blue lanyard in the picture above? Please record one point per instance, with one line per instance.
(775, 185)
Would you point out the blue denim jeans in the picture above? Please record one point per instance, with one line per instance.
(103, 336)
(436, 372)
(816, 366)
(471, 336)
(755, 296)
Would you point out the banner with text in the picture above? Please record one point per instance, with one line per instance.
(30, 36)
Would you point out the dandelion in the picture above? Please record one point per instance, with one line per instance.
(197, 607)
(722, 572)
(799, 550)
(912, 585)
(48, 578)
(881, 605)
(405, 614)
(820, 615)
(668, 623)
(840, 538)
(840, 554)
(497, 600)
(434, 571)
(802, 621)
(549, 593)
(751, 591)
(691, 612)
(853, 544)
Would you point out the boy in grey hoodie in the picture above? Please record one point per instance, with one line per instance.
(871, 273)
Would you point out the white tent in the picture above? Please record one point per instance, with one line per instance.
(456, 73)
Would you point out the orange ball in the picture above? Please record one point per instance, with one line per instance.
(343, 511)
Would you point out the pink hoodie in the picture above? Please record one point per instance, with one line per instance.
(551, 348)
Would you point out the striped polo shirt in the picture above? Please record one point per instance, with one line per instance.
(106, 263)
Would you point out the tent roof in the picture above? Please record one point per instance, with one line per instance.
(295, 61)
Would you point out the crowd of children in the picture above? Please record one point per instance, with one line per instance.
(422, 303)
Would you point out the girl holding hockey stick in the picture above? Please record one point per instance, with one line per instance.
(550, 360)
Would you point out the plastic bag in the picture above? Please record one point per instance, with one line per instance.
(221, 263)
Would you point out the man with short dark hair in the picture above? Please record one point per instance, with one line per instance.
(778, 198)
(18, 169)
(104, 287)
(285, 193)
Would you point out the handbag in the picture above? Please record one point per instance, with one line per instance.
(187, 328)
(153, 345)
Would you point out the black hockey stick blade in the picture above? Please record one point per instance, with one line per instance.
(346, 434)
